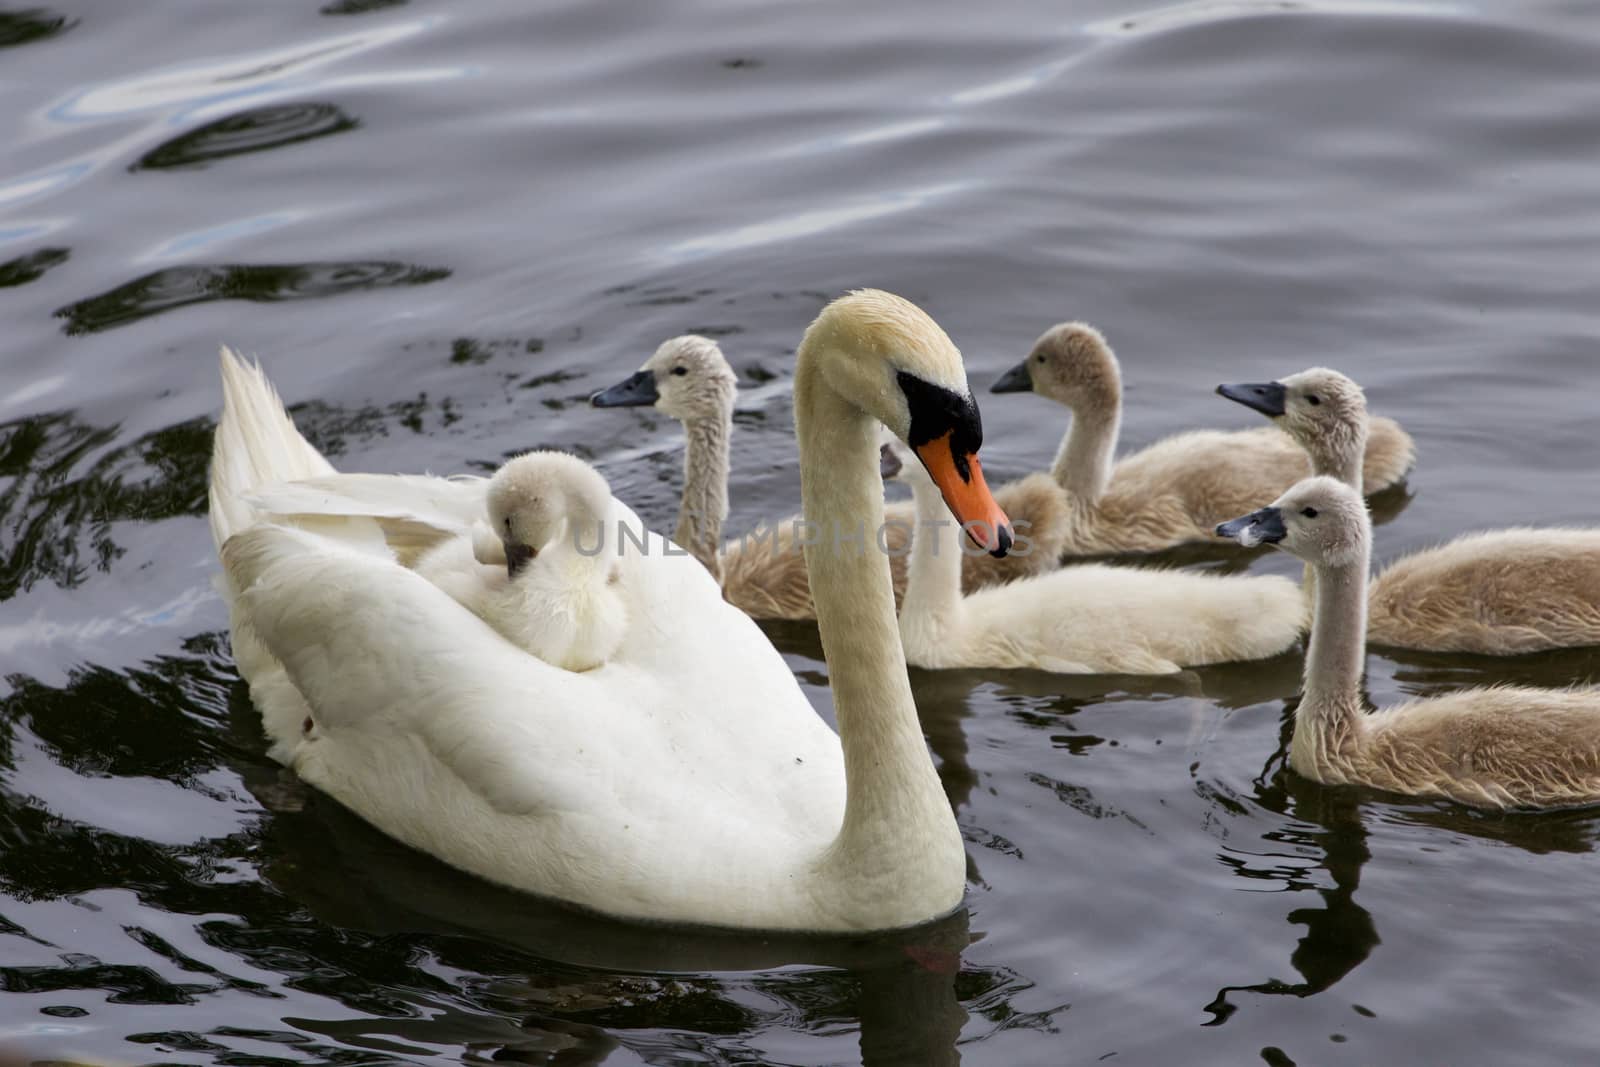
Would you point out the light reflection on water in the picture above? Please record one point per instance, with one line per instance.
(195, 91)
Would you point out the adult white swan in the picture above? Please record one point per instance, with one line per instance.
(685, 780)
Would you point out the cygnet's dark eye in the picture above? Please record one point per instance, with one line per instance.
(1313, 399)
(1039, 358)
(1309, 513)
(680, 371)
(508, 524)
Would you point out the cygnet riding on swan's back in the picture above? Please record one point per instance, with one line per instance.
(765, 573)
(1083, 619)
(1500, 592)
(552, 591)
(1177, 489)
(685, 780)
(1504, 747)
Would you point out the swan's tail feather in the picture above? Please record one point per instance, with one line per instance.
(256, 444)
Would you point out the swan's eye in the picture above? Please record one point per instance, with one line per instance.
(1309, 513)
(1039, 358)
(1313, 400)
(680, 371)
(508, 524)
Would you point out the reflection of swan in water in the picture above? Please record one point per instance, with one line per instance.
(348, 875)
(1340, 934)
(352, 922)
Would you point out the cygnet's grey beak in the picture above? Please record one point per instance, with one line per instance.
(638, 390)
(1265, 397)
(888, 463)
(518, 557)
(1264, 527)
(1015, 380)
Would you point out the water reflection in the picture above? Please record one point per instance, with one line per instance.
(222, 81)
(1423, 674)
(1576, 831)
(808, 223)
(33, 24)
(571, 968)
(58, 516)
(359, 7)
(30, 267)
(1328, 829)
(178, 287)
(379, 947)
(254, 130)
(65, 485)
(1339, 933)
(1178, 16)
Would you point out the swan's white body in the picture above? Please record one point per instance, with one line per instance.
(688, 779)
(1084, 619)
(693, 752)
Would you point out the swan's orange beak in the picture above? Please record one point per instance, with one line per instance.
(966, 494)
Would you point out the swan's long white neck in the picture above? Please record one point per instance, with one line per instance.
(1330, 716)
(898, 829)
(1083, 463)
(704, 507)
(933, 576)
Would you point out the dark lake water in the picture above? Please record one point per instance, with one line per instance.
(440, 225)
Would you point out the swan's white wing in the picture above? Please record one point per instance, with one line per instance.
(416, 512)
(376, 650)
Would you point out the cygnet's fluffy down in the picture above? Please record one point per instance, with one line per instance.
(1081, 619)
(546, 580)
(1502, 747)
(1175, 490)
(1498, 592)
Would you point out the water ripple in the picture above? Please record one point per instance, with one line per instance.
(254, 130)
(202, 283)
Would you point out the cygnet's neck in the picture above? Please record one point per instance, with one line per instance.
(704, 507)
(1330, 715)
(933, 576)
(1084, 462)
(1340, 454)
